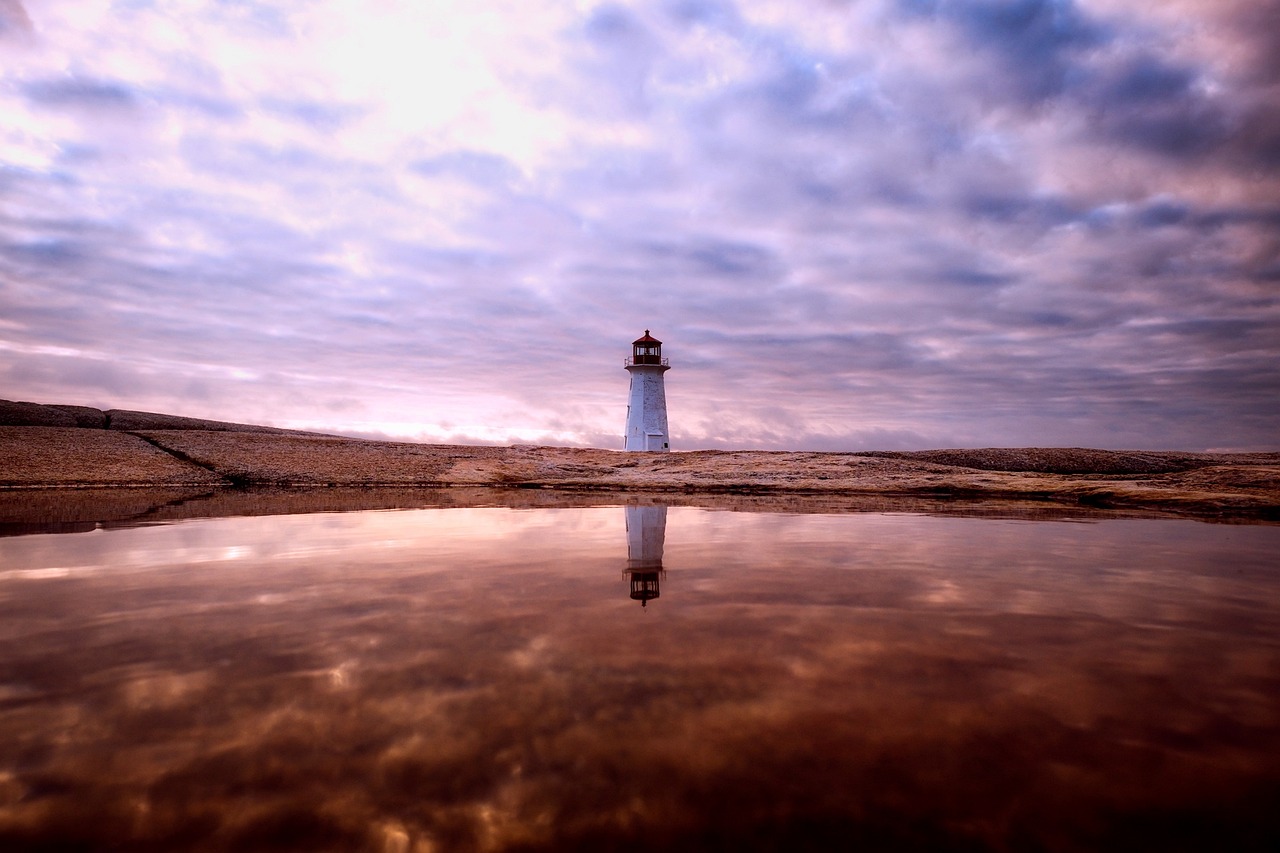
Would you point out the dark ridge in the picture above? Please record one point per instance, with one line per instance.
(1056, 460)
(20, 413)
(130, 421)
(86, 417)
(17, 413)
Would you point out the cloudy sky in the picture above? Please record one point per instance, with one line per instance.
(855, 225)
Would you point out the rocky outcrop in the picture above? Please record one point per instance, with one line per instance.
(62, 446)
(86, 417)
(129, 421)
(72, 456)
(1220, 485)
(17, 413)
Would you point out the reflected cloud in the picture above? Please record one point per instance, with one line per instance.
(466, 679)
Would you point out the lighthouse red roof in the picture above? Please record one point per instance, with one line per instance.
(647, 339)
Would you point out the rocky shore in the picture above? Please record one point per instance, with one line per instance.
(145, 450)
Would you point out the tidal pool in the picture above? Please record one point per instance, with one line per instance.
(641, 677)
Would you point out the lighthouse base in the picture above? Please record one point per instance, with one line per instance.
(653, 442)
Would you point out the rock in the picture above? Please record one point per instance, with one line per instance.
(72, 456)
(48, 446)
(86, 417)
(130, 421)
(13, 413)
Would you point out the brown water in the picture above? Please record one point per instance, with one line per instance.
(482, 679)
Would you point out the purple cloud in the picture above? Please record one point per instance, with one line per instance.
(919, 223)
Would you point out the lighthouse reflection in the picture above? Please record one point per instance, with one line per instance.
(646, 530)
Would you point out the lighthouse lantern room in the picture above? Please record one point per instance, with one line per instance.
(647, 403)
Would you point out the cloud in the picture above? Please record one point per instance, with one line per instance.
(316, 115)
(1037, 44)
(984, 222)
(14, 20)
(80, 93)
(476, 167)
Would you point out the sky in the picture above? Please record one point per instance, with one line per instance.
(859, 225)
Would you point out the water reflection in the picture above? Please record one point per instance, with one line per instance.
(646, 530)
(472, 679)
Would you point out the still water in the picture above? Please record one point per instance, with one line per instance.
(641, 677)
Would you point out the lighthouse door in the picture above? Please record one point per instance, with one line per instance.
(653, 441)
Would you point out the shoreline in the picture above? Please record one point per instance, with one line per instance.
(82, 510)
(1243, 486)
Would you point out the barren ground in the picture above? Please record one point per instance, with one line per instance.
(1223, 485)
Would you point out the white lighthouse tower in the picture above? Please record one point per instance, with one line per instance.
(647, 404)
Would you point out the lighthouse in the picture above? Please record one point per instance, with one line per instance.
(647, 403)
